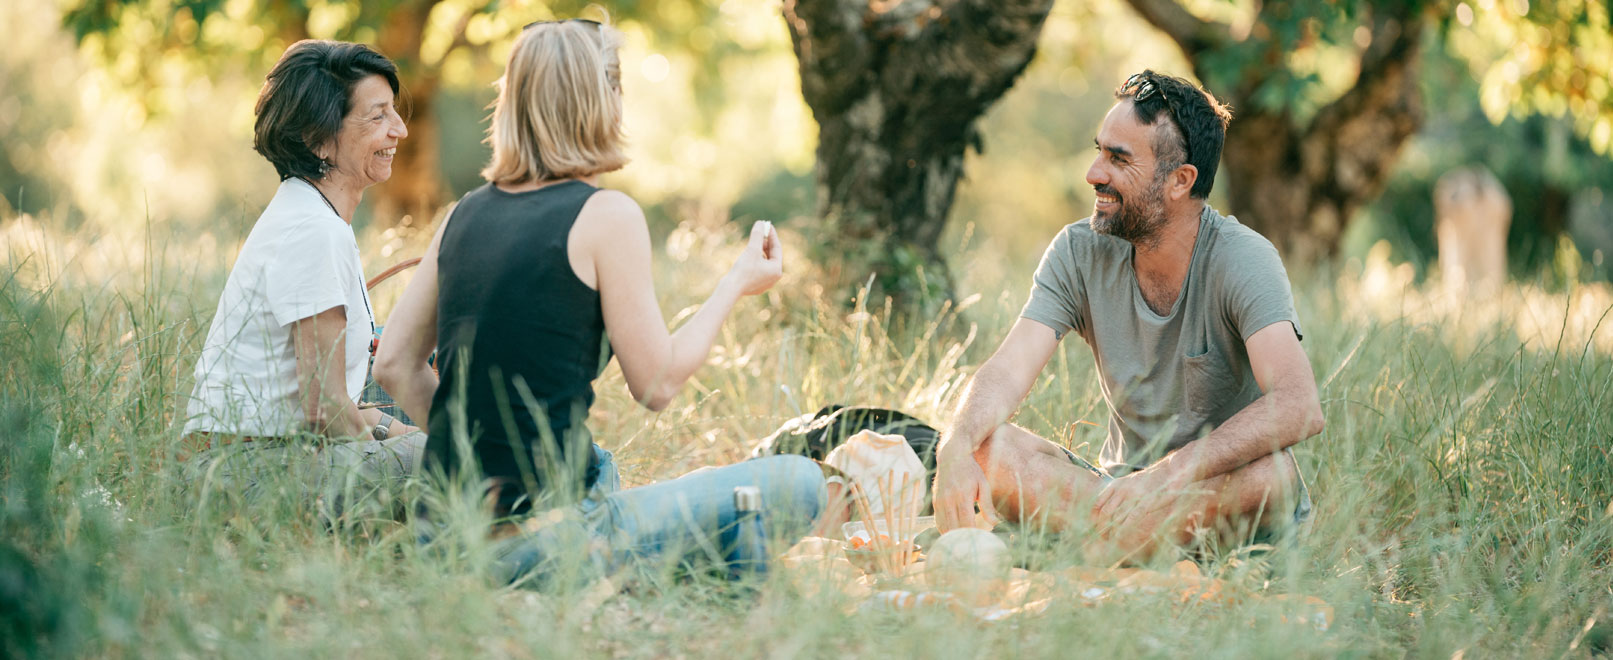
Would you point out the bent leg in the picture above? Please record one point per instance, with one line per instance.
(1230, 507)
(690, 518)
(693, 516)
(364, 479)
(1034, 479)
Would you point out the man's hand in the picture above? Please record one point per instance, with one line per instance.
(1133, 494)
(960, 484)
(993, 393)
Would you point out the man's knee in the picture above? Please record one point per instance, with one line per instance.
(989, 444)
(1267, 484)
(1006, 444)
(1001, 453)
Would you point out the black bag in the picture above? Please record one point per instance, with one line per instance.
(816, 435)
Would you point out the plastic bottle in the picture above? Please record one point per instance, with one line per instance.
(748, 556)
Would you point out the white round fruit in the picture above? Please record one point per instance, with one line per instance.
(972, 564)
(968, 551)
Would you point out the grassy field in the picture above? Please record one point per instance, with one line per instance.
(1463, 488)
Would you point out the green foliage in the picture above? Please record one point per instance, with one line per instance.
(783, 194)
(1301, 38)
(138, 38)
(1549, 57)
(1537, 159)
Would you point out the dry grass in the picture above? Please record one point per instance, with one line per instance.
(1462, 488)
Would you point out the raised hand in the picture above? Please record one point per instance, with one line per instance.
(761, 264)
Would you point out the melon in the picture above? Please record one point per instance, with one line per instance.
(965, 555)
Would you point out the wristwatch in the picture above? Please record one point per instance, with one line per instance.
(382, 428)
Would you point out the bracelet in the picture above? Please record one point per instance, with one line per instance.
(382, 428)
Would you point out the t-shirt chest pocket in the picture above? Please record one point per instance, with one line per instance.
(1207, 379)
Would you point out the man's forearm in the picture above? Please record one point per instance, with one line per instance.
(986, 405)
(998, 387)
(1277, 420)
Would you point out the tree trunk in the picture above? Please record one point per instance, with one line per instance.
(897, 88)
(1299, 185)
(416, 190)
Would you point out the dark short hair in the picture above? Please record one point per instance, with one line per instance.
(1199, 120)
(305, 98)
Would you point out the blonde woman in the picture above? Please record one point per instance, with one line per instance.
(529, 287)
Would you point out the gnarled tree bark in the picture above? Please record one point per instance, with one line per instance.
(1297, 184)
(897, 88)
(416, 190)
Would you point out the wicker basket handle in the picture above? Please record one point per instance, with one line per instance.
(394, 270)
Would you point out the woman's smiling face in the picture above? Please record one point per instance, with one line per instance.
(365, 146)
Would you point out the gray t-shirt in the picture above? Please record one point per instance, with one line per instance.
(1168, 380)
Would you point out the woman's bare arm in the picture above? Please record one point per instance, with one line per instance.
(655, 362)
(320, 347)
(410, 336)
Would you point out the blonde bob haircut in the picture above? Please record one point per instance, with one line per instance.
(559, 108)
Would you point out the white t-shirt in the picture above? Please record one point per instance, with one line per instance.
(300, 259)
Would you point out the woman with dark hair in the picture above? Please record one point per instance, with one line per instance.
(530, 286)
(285, 359)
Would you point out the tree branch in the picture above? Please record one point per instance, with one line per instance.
(1353, 142)
(1385, 78)
(1193, 34)
(1393, 33)
(831, 48)
(1005, 23)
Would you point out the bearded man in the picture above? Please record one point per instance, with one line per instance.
(1192, 325)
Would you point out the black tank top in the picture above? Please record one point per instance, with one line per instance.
(519, 342)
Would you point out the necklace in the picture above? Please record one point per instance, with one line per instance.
(364, 292)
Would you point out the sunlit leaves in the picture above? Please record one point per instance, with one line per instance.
(1553, 57)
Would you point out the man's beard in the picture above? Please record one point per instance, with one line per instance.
(1136, 221)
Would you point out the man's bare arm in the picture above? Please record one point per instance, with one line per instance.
(1289, 411)
(994, 393)
(1001, 383)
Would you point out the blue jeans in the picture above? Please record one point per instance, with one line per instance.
(690, 519)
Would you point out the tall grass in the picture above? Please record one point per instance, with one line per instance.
(1462, 490)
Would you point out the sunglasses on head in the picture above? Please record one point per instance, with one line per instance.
(589, 21)
(1142, 88)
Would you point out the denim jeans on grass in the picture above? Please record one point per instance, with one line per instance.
(687, 520)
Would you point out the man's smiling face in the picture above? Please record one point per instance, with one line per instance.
(1130, 202)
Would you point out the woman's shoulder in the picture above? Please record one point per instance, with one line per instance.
(478, 193)
(608, 220)
(297, 222)
(613, 203)
(297, 204)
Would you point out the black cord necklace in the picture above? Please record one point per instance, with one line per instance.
(364, 292)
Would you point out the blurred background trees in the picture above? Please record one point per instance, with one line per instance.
(1327, 92)
(897, 89)
(119, 113)
(423, 37)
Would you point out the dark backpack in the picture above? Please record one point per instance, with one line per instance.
(818, 435)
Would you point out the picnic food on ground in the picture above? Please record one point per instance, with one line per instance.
(884, 543)
(969, 550)
(969, 562)
(887, 470)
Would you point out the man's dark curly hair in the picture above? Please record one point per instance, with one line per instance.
(305, 98)
(1197, 129)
